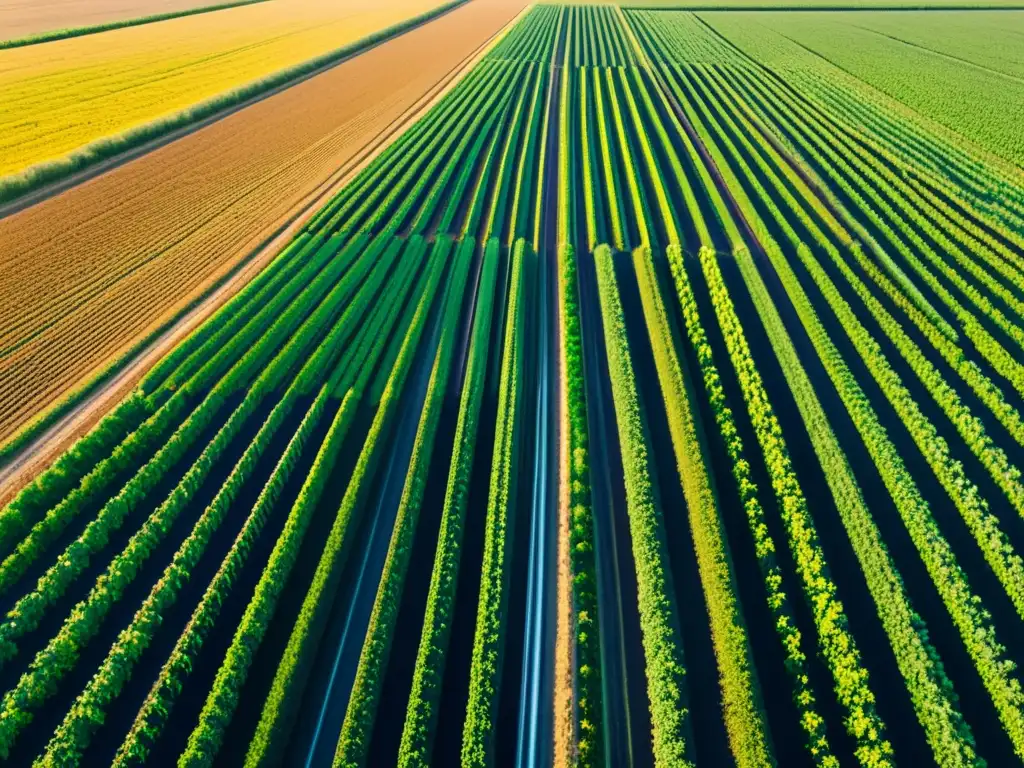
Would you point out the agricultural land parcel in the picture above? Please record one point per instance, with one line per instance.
(964, 70)
(20, 18)
(798, 399)
(88, 272)
(763, 5)
(61, 96)
(767, 5)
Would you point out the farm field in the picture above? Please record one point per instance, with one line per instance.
(654, 399)
(89, 273)
(975, 84)
(22, 18)
(814, 4)
(63, 96)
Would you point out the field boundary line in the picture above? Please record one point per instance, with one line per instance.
(40, 451)
(943, 55)
(103, 155)
(137, 21)
(835, 8)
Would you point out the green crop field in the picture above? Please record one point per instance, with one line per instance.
(708, 324)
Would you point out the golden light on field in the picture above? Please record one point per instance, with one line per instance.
(57, 97)
(86, 274)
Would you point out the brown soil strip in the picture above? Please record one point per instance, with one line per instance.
(29, 17)
(564, 683)
(38, 454)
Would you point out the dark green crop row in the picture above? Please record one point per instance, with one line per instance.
(489, 640)
(88, 713)
(659, 622)
(745, 720)
(258, 363)
(951, 739)
(964, 607)
(281, 707)
(428, 674)
(845, 170)
(357, 728)
(61, 654)
(834, 637)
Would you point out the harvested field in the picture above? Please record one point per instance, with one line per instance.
(20, 18)
(60, 96)
(90, 271)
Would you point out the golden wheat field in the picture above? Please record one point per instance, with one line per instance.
(57, 97)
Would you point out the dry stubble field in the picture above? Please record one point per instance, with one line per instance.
(87, 273)
(30, 17)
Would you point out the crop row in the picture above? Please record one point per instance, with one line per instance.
(659, 620)
(421, 716)
(976, 630)
(489, 639)
(837, 643)
(744, 719)
(962, 492)
(581, 521)
(332, 325)
(964, 607)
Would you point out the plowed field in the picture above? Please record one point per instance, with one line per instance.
(88, 272)
(20, 18)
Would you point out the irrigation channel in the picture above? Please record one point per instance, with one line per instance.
(536, 694)
(534, 739)
(323, 712)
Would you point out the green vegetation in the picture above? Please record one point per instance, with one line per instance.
(787, 280)
(489, 640)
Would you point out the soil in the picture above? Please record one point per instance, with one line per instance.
(178, 220)
(257, 242)
(30, 17)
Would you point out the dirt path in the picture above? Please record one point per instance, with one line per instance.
(39, 453)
